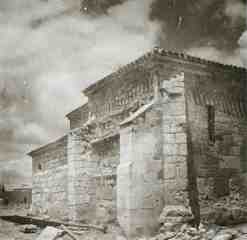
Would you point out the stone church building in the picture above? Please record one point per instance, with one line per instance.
(162, 130)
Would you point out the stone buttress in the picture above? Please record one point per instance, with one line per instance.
(81, 184)
(153, 169)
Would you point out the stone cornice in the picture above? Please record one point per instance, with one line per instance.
(139, 112)
(77, 110)
(50, 146)
(167, 55)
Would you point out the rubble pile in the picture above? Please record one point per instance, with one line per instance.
(187, 232)
(175, 215)
(228, 210)
(176, 224)
(29, 228)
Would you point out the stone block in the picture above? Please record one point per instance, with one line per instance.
(170, 149)
(174, 159)
(170, 138)
(176, 184)
(174, 126)
(182, 149)
(169, 171)
(235, 150)
(50, 233)
(176, 109)
(232, 162)
(142, 223)
(175, 149)
(181, 138)
(181, 170)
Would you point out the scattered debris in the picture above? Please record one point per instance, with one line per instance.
(173, 217)
(46, 217)
(102, 228)
(226, 234)
(187, 232)
(50, 233)
(230, 210)
(41, 222)
(30, 228)
(66, 230)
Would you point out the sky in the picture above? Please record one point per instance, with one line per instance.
(50, 51)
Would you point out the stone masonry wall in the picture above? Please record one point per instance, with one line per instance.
(137, 85)
(217, 143)
(115, 99)
(140, 174)
(49, 194)
(175, 139)
(106, 153)
(168, 149)
(179, 175)
(81, 171)
(217, 162)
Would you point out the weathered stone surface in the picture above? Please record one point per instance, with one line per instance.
(78, 117)
(225, 236)
(49, 188)
(29, 228)
(176, 214)
(185, 136)
(165, 236)
(243, 237)
(139, 179)
(50, 233)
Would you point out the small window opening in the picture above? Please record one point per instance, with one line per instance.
(243, 156)
(40, 166)
(211, 123)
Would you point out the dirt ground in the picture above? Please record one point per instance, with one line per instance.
(11, 231)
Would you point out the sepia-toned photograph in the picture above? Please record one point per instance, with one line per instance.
(123, 120)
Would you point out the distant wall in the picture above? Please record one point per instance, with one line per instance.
(23, 196)
(49, 194)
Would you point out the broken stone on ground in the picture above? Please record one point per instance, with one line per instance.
(30, 228)
(50, 233)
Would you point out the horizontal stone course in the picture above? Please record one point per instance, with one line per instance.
(175, 149)
(172, 138)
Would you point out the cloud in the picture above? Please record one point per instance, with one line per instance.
(49, 53)
(235, 11)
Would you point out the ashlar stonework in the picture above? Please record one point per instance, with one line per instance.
(166, 130)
